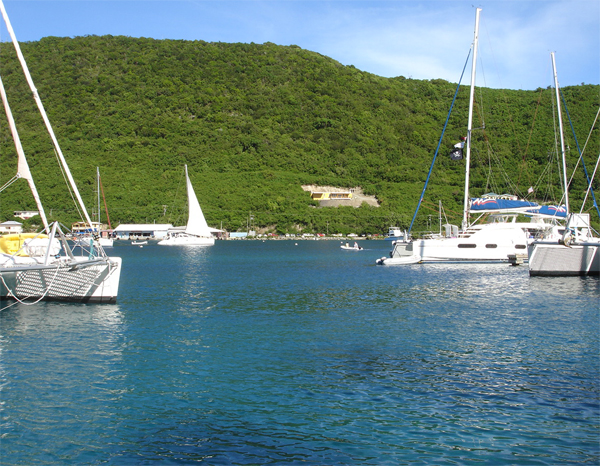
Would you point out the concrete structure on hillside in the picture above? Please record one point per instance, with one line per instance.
(330, 196)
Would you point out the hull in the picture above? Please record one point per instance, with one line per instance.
(106, 242)
(187, 241)
(553, 259)
(485, 244)
(83, 281)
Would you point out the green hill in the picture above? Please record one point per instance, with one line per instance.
(255, 122)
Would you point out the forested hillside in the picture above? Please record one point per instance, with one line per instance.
(255, 122)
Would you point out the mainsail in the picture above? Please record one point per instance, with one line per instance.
(196, 225)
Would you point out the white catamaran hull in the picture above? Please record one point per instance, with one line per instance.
(553, 259)
(85, 281)
(187, 240)
(489, 243)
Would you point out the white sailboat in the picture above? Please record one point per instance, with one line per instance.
(197, 232)
(491, 242)
(577, 252)
(43, 266)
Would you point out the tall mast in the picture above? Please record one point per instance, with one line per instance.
(22, 165)
(465, 222)
(98, 186)
(38, 101)
(562, 140)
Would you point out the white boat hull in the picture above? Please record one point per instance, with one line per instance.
(485, 244)
(84, 281)
(554, 259)
(106, 242)
(187, 240)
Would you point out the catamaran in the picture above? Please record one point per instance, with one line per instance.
(492, 242)
(43, 266)
(197, 232)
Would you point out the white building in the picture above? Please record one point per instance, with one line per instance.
(138, 231)
(25, 214)
(11, 227)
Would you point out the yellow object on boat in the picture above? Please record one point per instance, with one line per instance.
(13, 244)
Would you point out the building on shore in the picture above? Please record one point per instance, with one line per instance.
(11, 227)
(142, 231)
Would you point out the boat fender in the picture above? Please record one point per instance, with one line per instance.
(567, 237)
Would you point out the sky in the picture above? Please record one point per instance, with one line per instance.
(411, 38)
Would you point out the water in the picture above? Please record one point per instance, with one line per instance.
(274, 352)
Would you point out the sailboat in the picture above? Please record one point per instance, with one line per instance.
(43, 266)
(492, 242)
(577, 251)
(197, 232)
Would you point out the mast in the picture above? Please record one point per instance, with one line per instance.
(22, 165)
(465, 222)
(98, 185)
(562, 141)
(38, 101)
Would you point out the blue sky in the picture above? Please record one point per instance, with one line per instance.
(411, 38)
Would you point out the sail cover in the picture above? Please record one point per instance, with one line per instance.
(483, 205)
(196, 222)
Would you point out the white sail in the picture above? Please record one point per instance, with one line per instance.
(196, 225)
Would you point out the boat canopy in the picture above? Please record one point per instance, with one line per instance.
(488, 204)
(555, 211)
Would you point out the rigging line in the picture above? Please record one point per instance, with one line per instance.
(590, 133)
(10, 182)
(104, 199)
(587, 176)
(439, 142)
(529, 140)
(597, 162)
(71, 193)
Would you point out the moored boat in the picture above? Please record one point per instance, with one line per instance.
(197, 232)
(44, 266)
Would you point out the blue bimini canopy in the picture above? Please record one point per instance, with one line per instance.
(483, 205)
(559, 211)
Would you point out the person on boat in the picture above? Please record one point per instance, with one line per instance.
(356, 246)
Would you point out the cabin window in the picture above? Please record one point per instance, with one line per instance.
(520, 246)
(467, 245)
(491, 246)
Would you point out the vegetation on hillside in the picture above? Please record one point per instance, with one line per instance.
(255, 122)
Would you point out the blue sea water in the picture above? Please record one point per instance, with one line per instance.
(284, 352)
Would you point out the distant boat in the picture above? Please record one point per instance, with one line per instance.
(395, 234)
(136, 243)
(197, 231)
(354, 247)
(43, 266)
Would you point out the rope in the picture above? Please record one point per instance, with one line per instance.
(11, 293)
